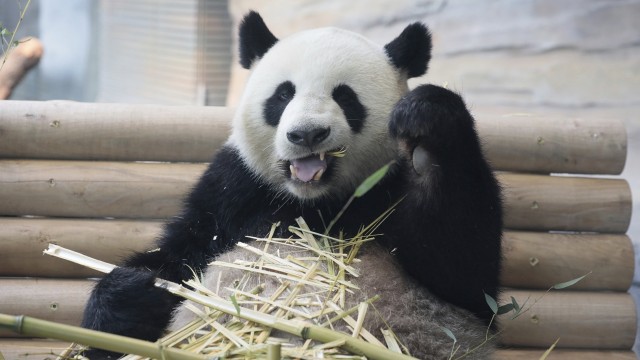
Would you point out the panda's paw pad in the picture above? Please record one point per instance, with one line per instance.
(422, 161)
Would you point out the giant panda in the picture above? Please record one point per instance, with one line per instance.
(309, 94)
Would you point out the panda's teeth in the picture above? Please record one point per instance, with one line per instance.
(322, 156)
(318, 175)
(293, 172)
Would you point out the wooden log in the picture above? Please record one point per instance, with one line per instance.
(22, 242)
(531, 260)
(94, 189)
(540, 260)
(18, 62)
(153, 190)
(558, 203)
(530, 143)
(31, 349)
(74, 130)
(81, 131)
(56, 300)
(582, 320)
(563, 354)
(42, 349)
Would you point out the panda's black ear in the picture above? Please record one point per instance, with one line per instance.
(411, 50)
(255, 39)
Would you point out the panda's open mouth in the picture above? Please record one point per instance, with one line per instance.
(312, 168)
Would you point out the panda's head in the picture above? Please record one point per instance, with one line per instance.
(317, 92)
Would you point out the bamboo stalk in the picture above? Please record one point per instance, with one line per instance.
(25, 325)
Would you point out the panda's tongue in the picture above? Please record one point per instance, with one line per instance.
(306, 169)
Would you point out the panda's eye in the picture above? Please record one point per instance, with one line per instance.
(274, 106)
(285, 95)
(351, 106)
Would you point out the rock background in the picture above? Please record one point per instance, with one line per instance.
(573, 57)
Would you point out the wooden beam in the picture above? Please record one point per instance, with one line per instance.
(155, 190)
(530, 143)
(531, 260)
(563, 354)
(540, 260)
(89, 131)
(583, 320)
(580, 319)
(51, 299)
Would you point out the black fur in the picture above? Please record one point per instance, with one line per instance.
(411, 50)
(274, 106)
(255, 39)
(446, 231)
(351, 106)
(453, 246)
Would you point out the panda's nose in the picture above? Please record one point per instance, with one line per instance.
(309, 138)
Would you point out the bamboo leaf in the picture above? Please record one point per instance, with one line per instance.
(449, 333)
(503, 309)
(516, 306)
(372, 180)
(549, 350)
(491, 302)
(566, 284)
(234, 301)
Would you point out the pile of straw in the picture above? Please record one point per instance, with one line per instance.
(303, 317)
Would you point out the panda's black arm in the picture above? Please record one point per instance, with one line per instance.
(126, 302)
(448, 228)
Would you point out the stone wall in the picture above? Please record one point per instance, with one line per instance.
(531, 52)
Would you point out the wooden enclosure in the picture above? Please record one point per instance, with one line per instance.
(100, 179)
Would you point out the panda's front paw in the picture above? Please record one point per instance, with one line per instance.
(126, 302)
(431, 124)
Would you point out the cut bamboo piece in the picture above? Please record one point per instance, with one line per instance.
(82, 131)
(529, 143)
(534, 202)
(152, 190)
(539, 260)
(55, 300)
(562, 354)
(531, 260)
(582, 320)
(22, 242)
(74, 130)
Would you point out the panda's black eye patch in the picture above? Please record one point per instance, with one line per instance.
(277, 102)
(351, 106)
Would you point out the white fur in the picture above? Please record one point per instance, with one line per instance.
(335, 57)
